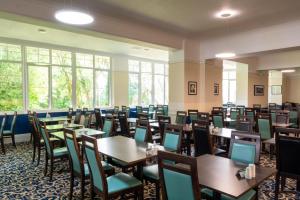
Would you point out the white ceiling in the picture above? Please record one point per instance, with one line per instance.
(197, 16)
(29, 32)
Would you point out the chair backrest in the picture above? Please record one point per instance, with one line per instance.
(77, 116)
(218, 120)
(287, 106)
(244, 148)
(171, 175)
(139, 109)
(70, 114)
(122, 116)
(193, 114)
(294, 117)
(162, 121)
(234, 113)
(45, 136)
(3, 123)
(272, 105)
(108, 127)
(203, 116)
(282, 118)
(116, 109)
(13, 122)
(244, 124)
(99, 121)
(287, 155)
(143, 116)
(249, 112)
(141, 134)
(158, 113)
(264, 124)
(180, 117)
(93, 157)
(75, 158)
(241, 109)
(87, 119)
(166, 110)
(84, 110)
(172, 137)
(257, 106)
(123, 108)
(202, 139)
(151, 108)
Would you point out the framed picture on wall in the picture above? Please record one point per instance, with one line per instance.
(216, 89)
(259, 90)
(192, 88)
(276, 89)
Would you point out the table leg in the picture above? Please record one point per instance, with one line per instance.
(298, 186)
(216, 195)
(139, 172)
(188, 143)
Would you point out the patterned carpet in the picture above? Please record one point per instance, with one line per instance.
(20, 179)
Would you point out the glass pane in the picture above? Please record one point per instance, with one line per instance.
(133, 66)
(61, 57)
(11, 96)
(166, 69)
(102, 88)
(84, 88)
(10, 52)
(166, 90)
(159, 89)
(146, 88)
(61, 87)
(38, 87)
(84, 60)
(102, 62)
(133, 89)
(225, 75)
(232, 91)
(232, 75)
(159, 68)
(225, 91)
(37, 55)
(146, 67)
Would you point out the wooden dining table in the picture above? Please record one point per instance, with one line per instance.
(219, 174)
(60, 127)
(53, 119)
(79, 133)
(282, 125)
(127, 150)
(222, 132)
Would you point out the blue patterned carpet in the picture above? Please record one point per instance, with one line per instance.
(20, 179)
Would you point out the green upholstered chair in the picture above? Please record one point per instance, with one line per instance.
(77, 165)
(139, 109)
(141, 134)
(264, 124)
(87, 119)
(108, 187)
(181, 117)
(11, 131)
(241, 109)
(108, 127)
(243, 151)
(172, 142)
(178, 182)
(294, 118)
(116, 109)
(218, 120)
(250, 114)
(193, 114)
(166, 110)
(54, 154)
(234, 114)
(273, 116)
(1, 132)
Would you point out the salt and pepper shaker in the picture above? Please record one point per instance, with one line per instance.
(250, 171)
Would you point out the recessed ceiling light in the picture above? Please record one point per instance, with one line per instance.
(146, 49)
(226, 14)
(288, 70)
(225, 55)
(41, 30)
(73, 17)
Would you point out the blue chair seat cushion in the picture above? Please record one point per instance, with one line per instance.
(247, 196)
(151, 171)
(121, 181)
(7, 132)
(58, 152)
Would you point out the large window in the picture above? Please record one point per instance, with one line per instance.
(47, 78)
(148, 83)
(229, 83)
(11, 82)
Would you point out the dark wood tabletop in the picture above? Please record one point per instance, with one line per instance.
(219, 174)
(60, 127)
(53, 119)
(133, 120)
(79, 133)
(282, 125)
(223, 132)
(125, 149)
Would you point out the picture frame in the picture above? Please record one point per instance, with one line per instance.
(192, 88)
(276, 90)
(259, 90)
(216, 89)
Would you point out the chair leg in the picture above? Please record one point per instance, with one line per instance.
(71, 185)
(46, 164)
(39, 155)
(283, 181)
(277, 186)
(157, 190)
(82, 186)
(13, 139)
(51, 168)
(141, 194)
(34, 149)
(2, 145)
(92, 191)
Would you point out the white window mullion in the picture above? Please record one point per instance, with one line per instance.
(50, 106)
(94, 82)
(25, 78)
(74, 103)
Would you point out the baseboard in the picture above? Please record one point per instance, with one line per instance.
(18, 138)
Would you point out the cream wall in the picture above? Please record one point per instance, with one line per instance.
(291, 88)
(257, 78)
(242, 84)
(192, 73)
(275, 78)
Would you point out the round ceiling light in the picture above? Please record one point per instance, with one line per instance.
(225, 55)
(73, 17)
(226, 14)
